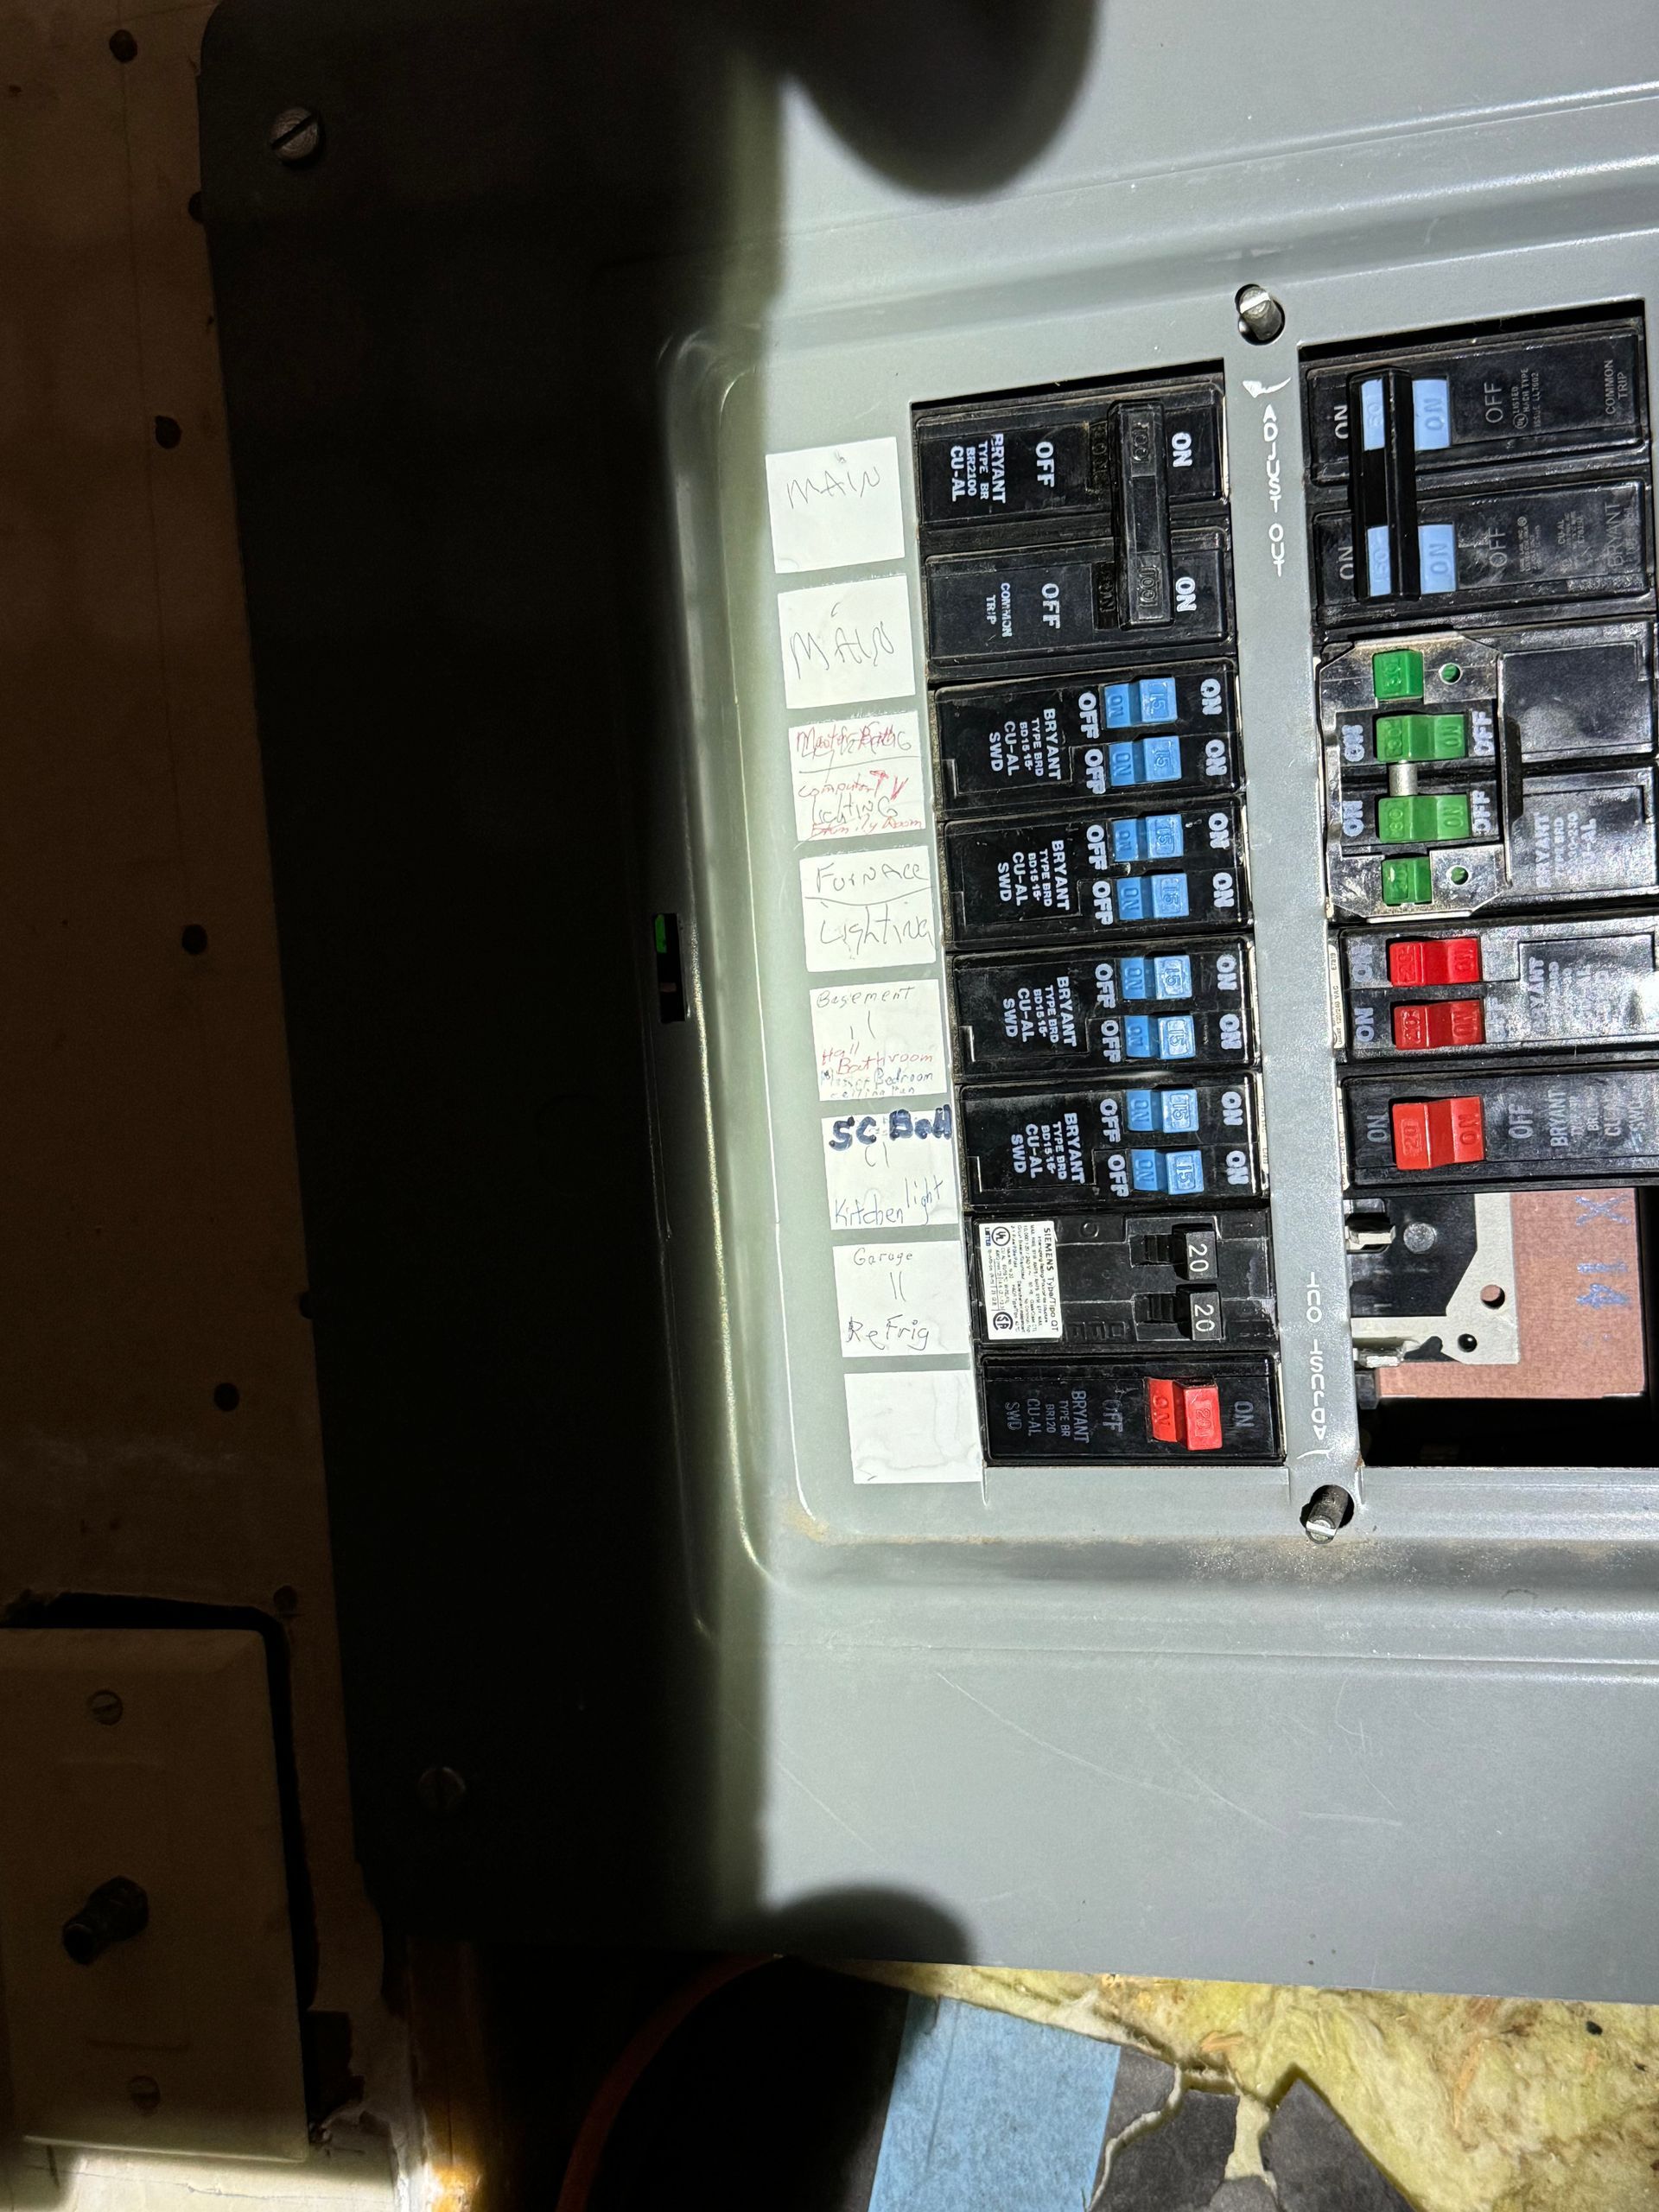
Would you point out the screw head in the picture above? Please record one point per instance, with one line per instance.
(145, 2092)
(296, 136)
(1260, 317)
(442, 1791)
(1329, 1509)
(105, 1707)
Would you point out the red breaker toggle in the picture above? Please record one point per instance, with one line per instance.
(1431, 1028)
(1414, 961)
(1187, 1413)
(1437, 1133)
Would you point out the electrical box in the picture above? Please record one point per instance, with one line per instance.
(144, 1928)
(1265, 907)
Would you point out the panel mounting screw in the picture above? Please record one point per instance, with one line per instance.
(1260, 317)
(442, 1791)
(295, 137)
(105, 1707)
(145, 2091)
(1327, 1510)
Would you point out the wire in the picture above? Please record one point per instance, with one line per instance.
(587, 2152)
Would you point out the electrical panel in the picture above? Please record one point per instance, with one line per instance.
(1126, 606)
(1481, 546)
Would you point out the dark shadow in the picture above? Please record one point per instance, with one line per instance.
(870, 1923)
(451, 512)
(772, 2098)
(771, 2091)
(941, 96)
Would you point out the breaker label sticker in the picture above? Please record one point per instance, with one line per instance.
(870, 910)
(858, 776)
(902, 1301)
(895, 1169)
(835, 506)
(878, 1040)
(914, 1427)
(1019, 1280)
(845, 643)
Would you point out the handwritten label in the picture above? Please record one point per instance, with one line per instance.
(878, 1040)
(901, 1301)
(869, 910)
(896, 1169)
(914, 1428)
(844, 642)
(835, 506)
(858, 777)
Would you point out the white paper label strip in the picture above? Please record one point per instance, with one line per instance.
(858, 776)
(848, 642)
(870, 910)
(914, 1428)
(1019, 1280)
(901, 1301)
(890, 1170)
(878, 1040)
(835, 506)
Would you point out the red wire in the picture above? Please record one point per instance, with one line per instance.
(588, 2151)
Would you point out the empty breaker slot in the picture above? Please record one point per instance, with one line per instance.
(1505, 1328)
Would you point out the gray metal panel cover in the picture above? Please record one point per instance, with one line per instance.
(1134, 1721)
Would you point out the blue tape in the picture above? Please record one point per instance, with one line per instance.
(991, 2113)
